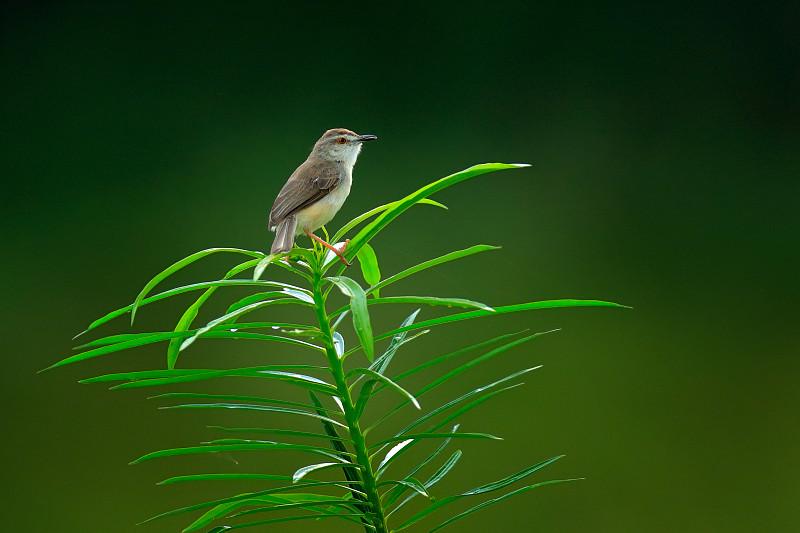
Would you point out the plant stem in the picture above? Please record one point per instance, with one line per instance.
(368, 481)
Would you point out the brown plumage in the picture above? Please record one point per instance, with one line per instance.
(317, 189)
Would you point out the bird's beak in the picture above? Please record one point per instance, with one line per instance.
(364, 138)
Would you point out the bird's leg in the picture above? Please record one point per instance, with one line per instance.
(331, 248)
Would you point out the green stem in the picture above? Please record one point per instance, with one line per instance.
(368, 482)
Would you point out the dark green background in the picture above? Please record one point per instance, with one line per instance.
(664, 145)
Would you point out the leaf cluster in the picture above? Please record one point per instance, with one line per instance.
(353, 477)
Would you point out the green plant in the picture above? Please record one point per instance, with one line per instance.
(366, 495)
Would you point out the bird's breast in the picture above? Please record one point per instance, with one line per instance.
(321, 212)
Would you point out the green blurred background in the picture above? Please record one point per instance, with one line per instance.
(665, 165)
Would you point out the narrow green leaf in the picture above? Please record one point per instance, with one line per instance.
(238, 398)
(463, 397)
(444, 469)
(223, 477)
(435, 478)
(263, 264)
(431, 300)
(424, 300)
(222, 529)
(499, 499)
(381, 363)
(397, 448)
(204, 505)
(412, 484)
(358, 308)
(386, 381)
(372, 212)
(300, 473)
(298, 501)
(133, 341)
(420, 436)
(330, 431)
(216, 512)
(452, 416)
(452, 256)
(281, 260)
(278, 327)
(472, 405)
(264, 498)
(255, 446)
(513, 478)
(180, 290)
(302, 295)
(265, 477)
(236, 333)
(338, 321)
(251, 407)
(284, 432)
(478, 360)
(546, 304)
(114, 339)
(369, 265)
(397, 341)
(146, 374)
(351, 474)
(301, 380)
(438, 475)
(183, 372)
(228, 318)
(338, 343)
(320, 503)
(161, 276)
(173, 349)
(252, 299)
(256, 441)
(150, 338)
(457, 353)
(496, 485)
(398, 207)
(363, 397)
(434, 203)
(453, 373)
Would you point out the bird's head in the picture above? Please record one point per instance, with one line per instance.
(340, 144)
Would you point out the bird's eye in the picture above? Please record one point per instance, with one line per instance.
(342, 140)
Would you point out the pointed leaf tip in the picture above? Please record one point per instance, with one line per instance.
(302, 472)
(263, 264)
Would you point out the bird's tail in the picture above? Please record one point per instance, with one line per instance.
(284, 235)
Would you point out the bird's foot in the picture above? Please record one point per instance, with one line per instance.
(343, 246)
(339, 254)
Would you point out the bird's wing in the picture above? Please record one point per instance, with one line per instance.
(299, 193)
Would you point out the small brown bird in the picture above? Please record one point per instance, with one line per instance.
(316, 190)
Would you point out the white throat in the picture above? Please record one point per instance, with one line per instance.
(350, 155)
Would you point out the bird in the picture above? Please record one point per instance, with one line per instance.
(316, 190)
